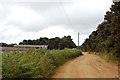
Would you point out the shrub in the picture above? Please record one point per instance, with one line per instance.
(37, 63)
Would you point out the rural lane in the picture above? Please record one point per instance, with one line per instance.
(87, 66)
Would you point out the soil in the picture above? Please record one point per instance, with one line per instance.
(87, 66)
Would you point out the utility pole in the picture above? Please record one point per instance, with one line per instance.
(78, 40)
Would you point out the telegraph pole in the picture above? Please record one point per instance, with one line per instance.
(78, 40)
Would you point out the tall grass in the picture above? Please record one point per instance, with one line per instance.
(37, 63)
(110, 57)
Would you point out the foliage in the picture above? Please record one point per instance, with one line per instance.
(37, 63)
(6, 45)
(40, 41)
(106, 38)
(64, 42)
(53, 43)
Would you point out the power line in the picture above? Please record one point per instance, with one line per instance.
(69, 20)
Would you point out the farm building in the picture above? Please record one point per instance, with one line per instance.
(31, 46)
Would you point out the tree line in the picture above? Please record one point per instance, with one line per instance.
(53, 43)
(7, 45)
(106, 37)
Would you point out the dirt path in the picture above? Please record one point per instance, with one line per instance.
(87, 66)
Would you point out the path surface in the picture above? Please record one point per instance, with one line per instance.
(87, 66)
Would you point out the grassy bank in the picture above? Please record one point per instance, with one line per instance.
(37, 63)
(110, 57)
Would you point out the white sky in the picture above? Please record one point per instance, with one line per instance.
(32, 20)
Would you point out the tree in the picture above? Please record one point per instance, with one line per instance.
(7, 45)
(64, 42)
(106, 37)
(53, 43)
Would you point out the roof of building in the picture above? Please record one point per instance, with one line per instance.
(30, 45)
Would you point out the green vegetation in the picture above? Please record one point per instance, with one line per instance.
(110, 57)
(53, 43)
(37, 63)
(6, 45)
(105, 40)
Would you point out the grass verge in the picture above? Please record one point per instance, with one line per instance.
(110, 57)
(37, 63)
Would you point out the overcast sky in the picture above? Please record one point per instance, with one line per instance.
(32, 20)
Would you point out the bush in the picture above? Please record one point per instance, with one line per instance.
(37, 63)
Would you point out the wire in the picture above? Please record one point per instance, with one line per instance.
(69, 20)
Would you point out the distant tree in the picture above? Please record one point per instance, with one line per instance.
(53, 43)
(68, 43)
(4, 44)
(40, 41)
(57, 43)
(7, 45)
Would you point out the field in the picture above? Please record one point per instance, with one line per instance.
(36, 63)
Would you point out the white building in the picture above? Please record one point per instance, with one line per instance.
(31, 46)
